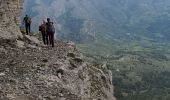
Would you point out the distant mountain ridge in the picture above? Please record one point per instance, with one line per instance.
(86, 20)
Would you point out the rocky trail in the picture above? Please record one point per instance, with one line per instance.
(31, 71)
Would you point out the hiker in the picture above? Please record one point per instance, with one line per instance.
(50, 31)
(42, 29)
(27, 22)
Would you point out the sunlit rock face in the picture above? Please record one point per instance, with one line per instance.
(10, 10)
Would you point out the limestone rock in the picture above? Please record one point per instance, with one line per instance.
(9, 14)
(20, 44)
(71, 55)
(32, 39)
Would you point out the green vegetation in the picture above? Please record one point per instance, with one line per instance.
(140, 69)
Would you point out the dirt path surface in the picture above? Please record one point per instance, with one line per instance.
(30, 71)
(34, 72)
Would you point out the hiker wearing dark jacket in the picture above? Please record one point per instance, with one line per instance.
(50, 31)
(27, 22)
(42, 29)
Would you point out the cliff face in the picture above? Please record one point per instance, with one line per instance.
(10, 11)
(31, 71)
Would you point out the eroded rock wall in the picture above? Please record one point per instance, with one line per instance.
(10, 11)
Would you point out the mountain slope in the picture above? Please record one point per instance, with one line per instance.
(132, 36)
(32, 71)
(36, 72)
(77, 19)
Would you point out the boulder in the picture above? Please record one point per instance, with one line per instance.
(20, 44)
(32, 39)
(71, 55)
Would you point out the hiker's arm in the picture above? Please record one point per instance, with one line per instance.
(30, 20)
(45, 29)
(56, 28)
(23, 21)
(39, 28)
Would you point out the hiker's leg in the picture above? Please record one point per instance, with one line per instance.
(43, 36)
(52, 35)
(26, 28)
(29, 28)
(46, 39)
(50, 38)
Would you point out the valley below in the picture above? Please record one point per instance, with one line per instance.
(139, 72)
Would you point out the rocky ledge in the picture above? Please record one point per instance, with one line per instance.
(31, 71)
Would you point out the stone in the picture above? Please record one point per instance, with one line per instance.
(71, 45)
(2, 74)
(71, 55)
(44, 60)
(23, 98)
(79, 60)
(60, 72)
(32, 39)
(59, 75)
(32, 46)
(20, 44)
(60, 94)
(10, 96)
(2, 50)
(72, 63)
(9, 13)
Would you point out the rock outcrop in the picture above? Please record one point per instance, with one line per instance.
(10, 11)
(30, 71)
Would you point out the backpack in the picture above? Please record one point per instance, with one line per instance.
(42, 28)
(29, 20)
(50, 27)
